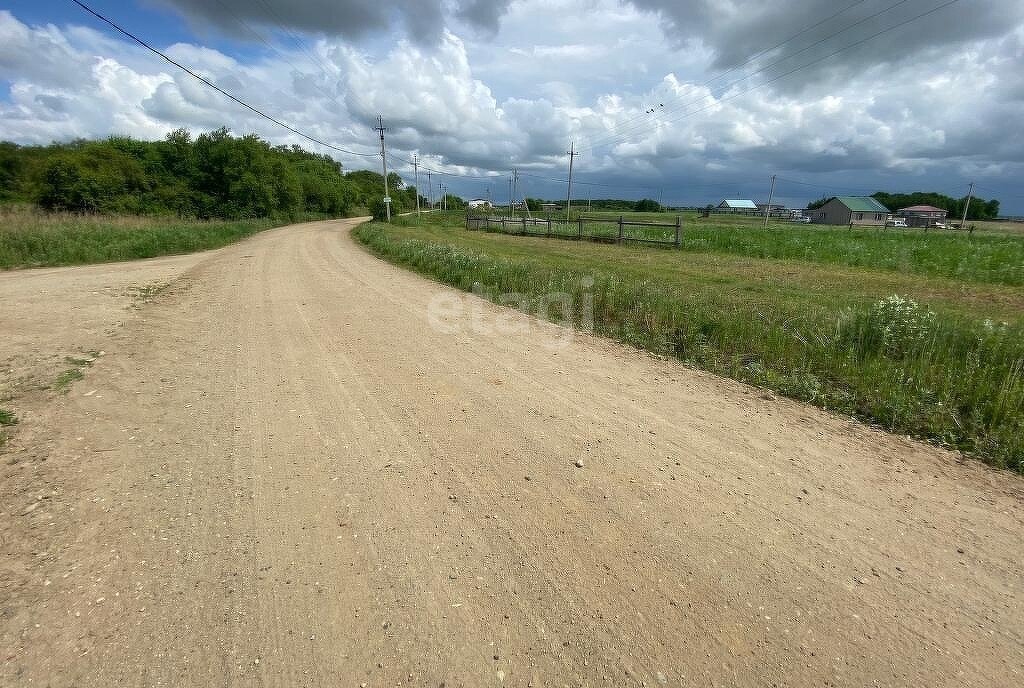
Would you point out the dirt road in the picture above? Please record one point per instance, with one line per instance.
(288, 470)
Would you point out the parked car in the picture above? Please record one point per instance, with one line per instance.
(802, 220)
(897, 222)
(939, 225)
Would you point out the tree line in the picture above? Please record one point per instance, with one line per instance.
(979, 209)
(214, 175)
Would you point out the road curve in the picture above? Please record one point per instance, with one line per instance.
(301, 466)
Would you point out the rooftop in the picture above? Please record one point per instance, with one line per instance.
(736, 203)
(862, 204)
(923, 209)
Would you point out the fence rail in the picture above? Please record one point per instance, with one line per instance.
(606, 230)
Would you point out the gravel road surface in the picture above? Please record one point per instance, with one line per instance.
(289, 463)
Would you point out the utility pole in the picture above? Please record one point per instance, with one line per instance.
(440, 195)
(768, 207)
(510, 196)
(416, 173)
(963, 220)
(444, 197)
(515, 189)
(568, 197)
(430, 193)
(384, 163)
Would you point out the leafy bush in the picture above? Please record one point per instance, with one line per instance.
(894, 326)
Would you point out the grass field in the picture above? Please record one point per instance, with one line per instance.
(32, 238)
(986, 256)
(886, 326)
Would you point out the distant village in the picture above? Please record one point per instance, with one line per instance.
(845, 210)
(838, 210)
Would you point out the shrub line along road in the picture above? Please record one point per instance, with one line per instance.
(279, 475)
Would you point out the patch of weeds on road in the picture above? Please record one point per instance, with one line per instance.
(65, 379)
(74, 374)
(7, 419)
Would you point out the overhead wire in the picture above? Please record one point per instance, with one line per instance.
(752, 58)
(804, 66)
(609, 139)
(217, 88)
(500, 174)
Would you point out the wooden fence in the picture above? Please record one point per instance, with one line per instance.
(606, 230)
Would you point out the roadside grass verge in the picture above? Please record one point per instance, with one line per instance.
(938, 359)
(33, 238)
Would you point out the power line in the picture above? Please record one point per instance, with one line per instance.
(295, 38)
(811, 63)
(217, 88)
(607, 140)
(752, 58)
(572, 153)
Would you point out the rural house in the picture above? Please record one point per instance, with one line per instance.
(850, 210)
(922, 215)
(737, 206)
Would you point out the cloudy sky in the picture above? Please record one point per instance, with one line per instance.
(690, 102)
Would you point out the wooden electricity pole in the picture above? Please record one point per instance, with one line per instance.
(384, 164)
(963, 220)
(768, 208)
(416, 173)
(568, 197)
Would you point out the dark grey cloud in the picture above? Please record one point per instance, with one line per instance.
(745, 35)
(485, 14)
(422, 20)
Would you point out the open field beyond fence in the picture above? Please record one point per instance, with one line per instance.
(994, 254)
(922, 334)
(612, 230)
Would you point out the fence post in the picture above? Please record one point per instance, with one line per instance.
(549, 227)
(524, 226)
(619, 240)
(580, 220)
(503, 226)
(679, 230)
(467, 217)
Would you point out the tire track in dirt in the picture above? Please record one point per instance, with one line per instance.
(260, 490)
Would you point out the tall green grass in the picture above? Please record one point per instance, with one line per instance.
(943, 375)
(994, 258)
(991, 258)
(33, 238)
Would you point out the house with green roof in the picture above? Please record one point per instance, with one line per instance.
(850, 210)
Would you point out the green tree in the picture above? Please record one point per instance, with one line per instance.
(647, 205)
